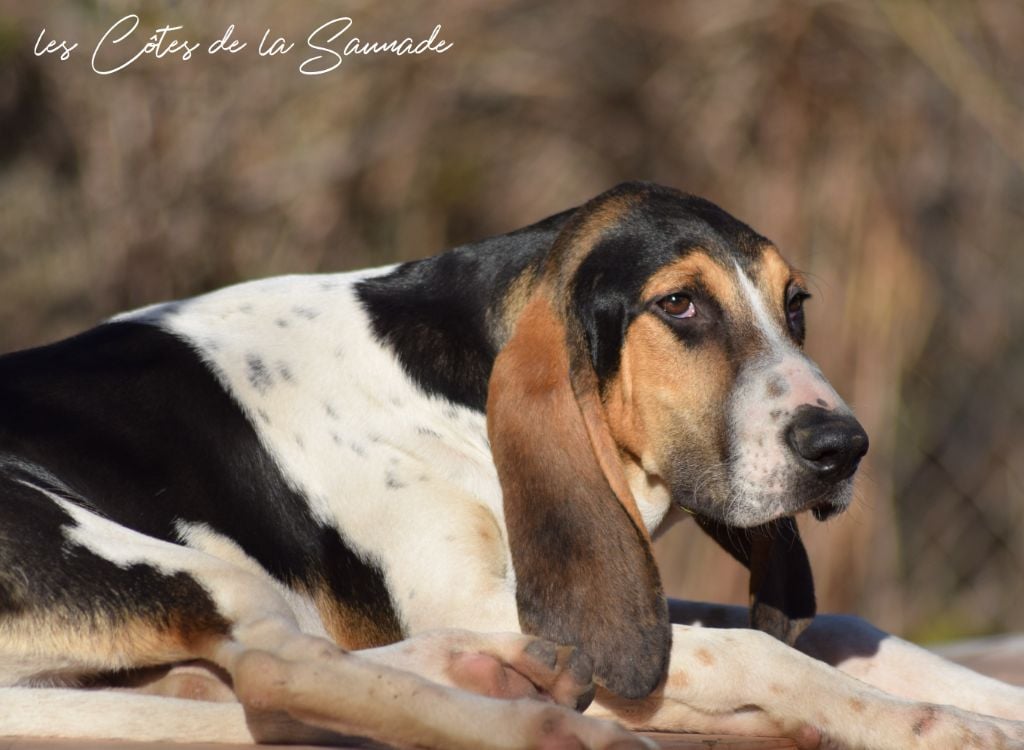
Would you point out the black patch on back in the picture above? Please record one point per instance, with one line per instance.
(433, 313)
(127, 416)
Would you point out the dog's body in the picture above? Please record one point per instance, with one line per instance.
(481, 441)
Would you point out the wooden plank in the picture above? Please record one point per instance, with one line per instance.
(674, 741)
(665, 740)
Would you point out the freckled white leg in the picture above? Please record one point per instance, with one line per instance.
(276, 668)
(857, 648)
(723, 680)
(907, 670)
(503, 665)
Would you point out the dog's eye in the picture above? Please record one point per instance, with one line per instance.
(795, 299)
(677, 306)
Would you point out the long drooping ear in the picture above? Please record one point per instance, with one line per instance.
(781, 583)
(585, 575)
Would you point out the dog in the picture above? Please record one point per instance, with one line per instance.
(415, 504)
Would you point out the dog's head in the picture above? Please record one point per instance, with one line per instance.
(656, 360)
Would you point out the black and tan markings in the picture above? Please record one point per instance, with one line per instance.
(667, 410)
(651, 389)
(139, 430)
(572, 334)
(62, 603)
(447, 316)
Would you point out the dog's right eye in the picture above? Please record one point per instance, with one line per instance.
(677, 306)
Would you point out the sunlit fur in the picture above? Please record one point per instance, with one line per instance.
(701, 426)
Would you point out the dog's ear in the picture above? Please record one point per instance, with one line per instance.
(782, 600)
(585, 575)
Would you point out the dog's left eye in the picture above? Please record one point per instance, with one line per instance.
(677, 306)
(795, 299)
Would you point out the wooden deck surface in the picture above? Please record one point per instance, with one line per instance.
(1001, 657)
(668, 741)
(671, 741)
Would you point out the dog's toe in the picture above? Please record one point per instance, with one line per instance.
(563, 672)
(499, 665)
(487, 675)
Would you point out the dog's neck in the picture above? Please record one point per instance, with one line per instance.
(448, 316)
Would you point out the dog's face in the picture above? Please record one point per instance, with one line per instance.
(695, 327)
(656, 359)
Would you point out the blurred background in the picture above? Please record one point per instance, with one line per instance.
(879, 144)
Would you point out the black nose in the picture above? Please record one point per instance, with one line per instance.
(829, 444)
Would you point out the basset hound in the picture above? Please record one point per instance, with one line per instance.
(415, 504)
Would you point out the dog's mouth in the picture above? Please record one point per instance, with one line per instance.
(823, 509)
(828, 506)
(826, 510)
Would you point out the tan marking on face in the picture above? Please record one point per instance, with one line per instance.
(664, 397)
(772, 278)
(674, 277)
(666, 401)
(775, 271)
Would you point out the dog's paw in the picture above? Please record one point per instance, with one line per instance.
(526, 667)
(499, 665)
(349, 695)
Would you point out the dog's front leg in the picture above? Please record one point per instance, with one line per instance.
(859, 649)
(746, 682)
(275, 668)
(856, 647)
(499, 665)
